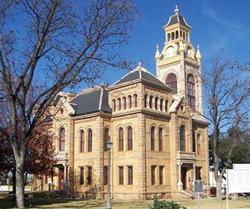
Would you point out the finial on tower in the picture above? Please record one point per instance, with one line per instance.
(157, 53)
(176, 9)
(198, 53)
(139, 64)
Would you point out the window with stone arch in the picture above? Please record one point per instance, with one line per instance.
(120, 139)
(130, 138)
(81, 141)
(166, 105)
(135, 100)
(182, 138)
(129, 102)
(156, 103)
(191, 90)
(114, 105)
(160, 139)
(124, 101)
(161, 104)
(106, 137)
(198, 144)
(152, 138)
(119, 104)
(150, 102)
(171, 81)
(90, 140)
(62, 139)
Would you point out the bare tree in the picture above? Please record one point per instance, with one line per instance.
(227, 94)
(46, 46)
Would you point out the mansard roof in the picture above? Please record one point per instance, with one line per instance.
(91, 101)
(142, 74)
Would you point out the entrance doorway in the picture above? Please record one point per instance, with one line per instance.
(61, 179)
(184, 177)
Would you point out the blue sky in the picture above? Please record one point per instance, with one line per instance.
(223, 24)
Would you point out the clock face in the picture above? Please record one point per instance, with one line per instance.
(170, 51)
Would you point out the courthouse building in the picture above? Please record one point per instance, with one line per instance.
(160, 139)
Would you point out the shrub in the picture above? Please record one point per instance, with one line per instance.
(162, 204)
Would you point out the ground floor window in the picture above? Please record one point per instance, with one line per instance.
(130, 175)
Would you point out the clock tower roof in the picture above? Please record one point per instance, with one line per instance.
(177, 19)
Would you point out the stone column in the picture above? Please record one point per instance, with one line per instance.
(180, 184)
(194, 169)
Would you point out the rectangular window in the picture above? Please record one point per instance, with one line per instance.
(153, 167)
(161, 175)
(130, 175)
(105, 175)
(89, 178)
(81, 179)
(121, 175)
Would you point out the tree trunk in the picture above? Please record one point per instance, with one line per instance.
(20, 183)
(218, 188)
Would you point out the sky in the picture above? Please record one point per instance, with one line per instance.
(216, 25)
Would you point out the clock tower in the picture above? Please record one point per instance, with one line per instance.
(178, 64)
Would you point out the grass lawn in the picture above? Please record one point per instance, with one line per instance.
(242, 203)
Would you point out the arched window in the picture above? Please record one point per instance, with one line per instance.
(156, 103)
(119, 104)
(62, 139)
(120, 140)
(166, 105)
(181, 34)
(105, 138)
(130, 138)
(129, 102)
(171, 81)
(172, 35)
(124, 100)
(169, 38)
(182, 138)
(198, 144)
(160, 139)
(150, 102)
(90, 136)
(145, 100)
(176, 34)
(191, 91)
(81, 141)
(161, 105)
(152, 138)
(114, 105)
(135, 100)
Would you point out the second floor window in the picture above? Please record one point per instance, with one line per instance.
(152, 138)
(130, 138)
(182, 138)
(120, 140)
(90, 136)
(106, 137)
(81, 141)
(62, 139)
(161, 175)
(160, 139)
(191, 90)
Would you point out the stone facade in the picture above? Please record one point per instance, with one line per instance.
(160, 139)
